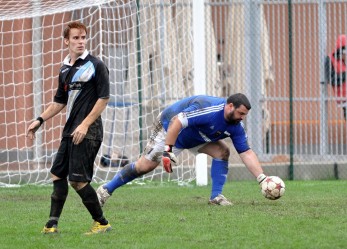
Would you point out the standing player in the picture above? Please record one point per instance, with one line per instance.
(197, 123)
(84, 90)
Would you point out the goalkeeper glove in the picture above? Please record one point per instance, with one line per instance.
(169, 158)
(261, 178)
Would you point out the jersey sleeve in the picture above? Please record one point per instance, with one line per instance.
(102, 81)
(192, 116)
(239, 139)
(61, 96)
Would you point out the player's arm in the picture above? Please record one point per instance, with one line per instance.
(52, 110)
(247, 155)
(80, 132)
(173, 130)
(250, 159)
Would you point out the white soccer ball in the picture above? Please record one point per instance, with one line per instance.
(273, 187)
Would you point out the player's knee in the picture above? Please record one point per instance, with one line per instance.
(224, 153)
(78, 185)
(145, 166)
(73, 185)
(60, 190)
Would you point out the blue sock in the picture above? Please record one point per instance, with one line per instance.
(127, 174)
(219, 173)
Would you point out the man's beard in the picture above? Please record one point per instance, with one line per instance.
(232, 120)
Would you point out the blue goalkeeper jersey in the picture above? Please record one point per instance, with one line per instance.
(203, 121)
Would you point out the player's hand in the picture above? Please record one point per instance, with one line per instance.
(33, 128)
(261, 179)
(169, 158)
(79, 133)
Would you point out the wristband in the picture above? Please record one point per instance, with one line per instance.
(41, 120)
(168, 148)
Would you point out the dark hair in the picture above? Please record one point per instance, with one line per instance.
(73, 25)
(239, 99)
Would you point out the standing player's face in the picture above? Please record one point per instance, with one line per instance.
(76, 42)
(235, 115)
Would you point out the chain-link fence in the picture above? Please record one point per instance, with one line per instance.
(275, 52)
(288, 57)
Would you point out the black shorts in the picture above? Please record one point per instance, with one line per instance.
(76, 161)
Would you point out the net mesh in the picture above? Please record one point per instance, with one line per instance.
(148, 50)
(297, 119)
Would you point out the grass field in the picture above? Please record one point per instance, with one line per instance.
(312, 214)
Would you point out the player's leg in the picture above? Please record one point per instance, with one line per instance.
(59, 173)
(58, 197)
(220, 153)
(130, 172)
(127, 174)
(91, 202)
(82, 157)
(148, 161)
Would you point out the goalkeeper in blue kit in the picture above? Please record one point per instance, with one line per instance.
(199, 124)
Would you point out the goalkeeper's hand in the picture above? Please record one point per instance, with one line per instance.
(261, 179)
(169, 158)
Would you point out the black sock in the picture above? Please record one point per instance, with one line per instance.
(51, 223)
(91, 202)
(58, 198)
(102, 220)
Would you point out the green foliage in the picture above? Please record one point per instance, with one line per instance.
(311, 214)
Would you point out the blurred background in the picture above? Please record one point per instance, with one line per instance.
(159, 51)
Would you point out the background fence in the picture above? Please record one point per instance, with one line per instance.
(273, 51)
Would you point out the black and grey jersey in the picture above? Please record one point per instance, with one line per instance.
(80, 86)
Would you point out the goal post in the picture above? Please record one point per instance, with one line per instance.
(199, 77)
(149, 50)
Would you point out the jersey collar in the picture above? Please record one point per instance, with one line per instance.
(82, 56)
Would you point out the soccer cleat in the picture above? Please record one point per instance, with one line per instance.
(103, 195)
(50, 230)
(220, 200)
(98, 228)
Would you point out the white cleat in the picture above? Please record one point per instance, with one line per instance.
(220, 200)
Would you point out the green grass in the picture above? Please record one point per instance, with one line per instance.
(312, 214)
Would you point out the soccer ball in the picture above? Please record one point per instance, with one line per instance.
(273, 187)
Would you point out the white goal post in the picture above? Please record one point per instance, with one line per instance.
(149, 48)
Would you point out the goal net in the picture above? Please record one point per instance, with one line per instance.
(148, 49)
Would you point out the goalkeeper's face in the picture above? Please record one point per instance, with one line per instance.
(76, 42)
(235, 115)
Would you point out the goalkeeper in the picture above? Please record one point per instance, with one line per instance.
(199, 124)
(84, 89)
